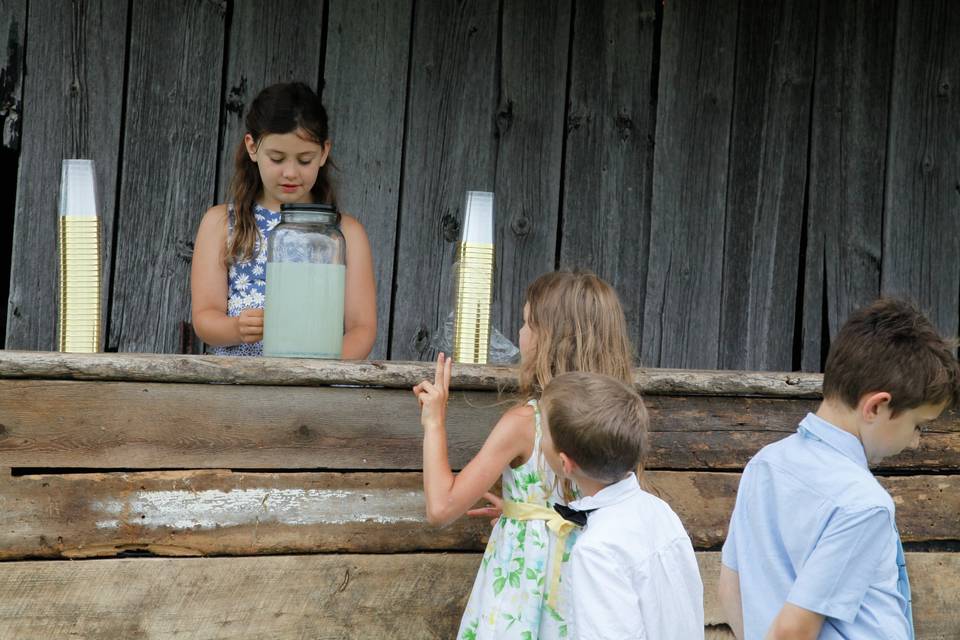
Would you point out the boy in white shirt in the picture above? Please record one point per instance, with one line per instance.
(632, 572)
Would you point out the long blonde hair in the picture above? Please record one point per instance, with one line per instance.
(578, 325)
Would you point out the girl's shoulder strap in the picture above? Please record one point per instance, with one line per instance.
(536, 421)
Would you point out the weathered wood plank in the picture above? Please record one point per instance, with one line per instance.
(608, 164)
(450, 148)
(222, 513)
(681, 326)
(921, 229)
(367, 60)
(219, 512)
(260, 54)
(765, 186)
(848, 157)
(13, 28)
(303, 372)
(316, 596)
(534, 47)
(162, 426)
(169, 167)
(74, 96)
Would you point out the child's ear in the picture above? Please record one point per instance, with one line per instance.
(569, 466)
(325, 152)
(251, 146)
(872, 404)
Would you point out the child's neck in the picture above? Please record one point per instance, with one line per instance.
(589, 486)
(841, 416)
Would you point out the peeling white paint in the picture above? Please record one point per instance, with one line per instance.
(215, 508)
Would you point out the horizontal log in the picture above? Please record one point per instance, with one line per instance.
(219, 512)
(143, 367)
(317, 596)
(54, 423)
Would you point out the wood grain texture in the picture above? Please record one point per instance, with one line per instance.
(218, 512)
(169, 167)
(609, 151)
(681, 326)
(305, 372)
(270, 41)
(367, 61)
(776, 43)
(13, 28)
(176, 426)
(74, 97)
(450, 148)
(535, 40)
(921, 229)
(319, 596)
(848, 158)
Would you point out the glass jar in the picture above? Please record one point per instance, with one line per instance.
(306, 269)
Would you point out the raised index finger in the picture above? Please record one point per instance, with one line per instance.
(447, 366)
(438, 373)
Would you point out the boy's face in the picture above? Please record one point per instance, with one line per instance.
(549, 451)
(888, 435)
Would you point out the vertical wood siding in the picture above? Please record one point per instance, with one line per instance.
(745, 172)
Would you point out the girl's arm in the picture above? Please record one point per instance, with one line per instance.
(208, 287)
(360, 293)
(448, 496)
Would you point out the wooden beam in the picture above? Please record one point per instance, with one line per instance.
(218, 512)
(162, 426)
(137, 367)
(317, 596)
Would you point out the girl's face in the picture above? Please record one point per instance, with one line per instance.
(528, 337)
(288, 163)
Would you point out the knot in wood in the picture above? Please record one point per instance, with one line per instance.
(451, 228)
(624, 124)
(3, 429)
(505, 118)
(303, 431)
(573, 122)
(236, 98)
(521, 225)
(944, 89)
(928, 163)
(421, 339)
(184, 250)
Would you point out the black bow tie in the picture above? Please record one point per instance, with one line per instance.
(578, 518)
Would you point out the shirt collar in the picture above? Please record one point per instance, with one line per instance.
(816, 428)
(612, 494)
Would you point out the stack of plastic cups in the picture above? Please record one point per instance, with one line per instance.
(78, 328)
(474, 280)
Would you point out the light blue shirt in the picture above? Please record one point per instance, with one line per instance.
(814, 528)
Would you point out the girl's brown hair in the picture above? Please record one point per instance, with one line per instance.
(280, 108)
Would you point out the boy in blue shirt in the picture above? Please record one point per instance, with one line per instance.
(812, 550)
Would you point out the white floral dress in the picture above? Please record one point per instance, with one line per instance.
(509, 597)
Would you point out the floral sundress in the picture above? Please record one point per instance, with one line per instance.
(247, 280)
(509, 597)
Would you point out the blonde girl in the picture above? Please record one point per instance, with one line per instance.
(571, 322)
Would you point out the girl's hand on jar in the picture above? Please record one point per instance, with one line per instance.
(250, 325)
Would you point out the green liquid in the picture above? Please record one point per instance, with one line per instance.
(303, 314)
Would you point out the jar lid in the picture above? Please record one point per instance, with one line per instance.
(318, 212)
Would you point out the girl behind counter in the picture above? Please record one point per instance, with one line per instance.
(281, 159)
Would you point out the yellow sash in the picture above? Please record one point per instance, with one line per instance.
(556, 523)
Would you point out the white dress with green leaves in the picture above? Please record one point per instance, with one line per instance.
(509, 598)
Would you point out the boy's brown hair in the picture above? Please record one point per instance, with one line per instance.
(890, 346)
(598, 421)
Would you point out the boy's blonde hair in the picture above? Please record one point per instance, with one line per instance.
(598, 421)
(579, 326)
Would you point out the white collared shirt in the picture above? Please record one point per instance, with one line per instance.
(632, 573)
